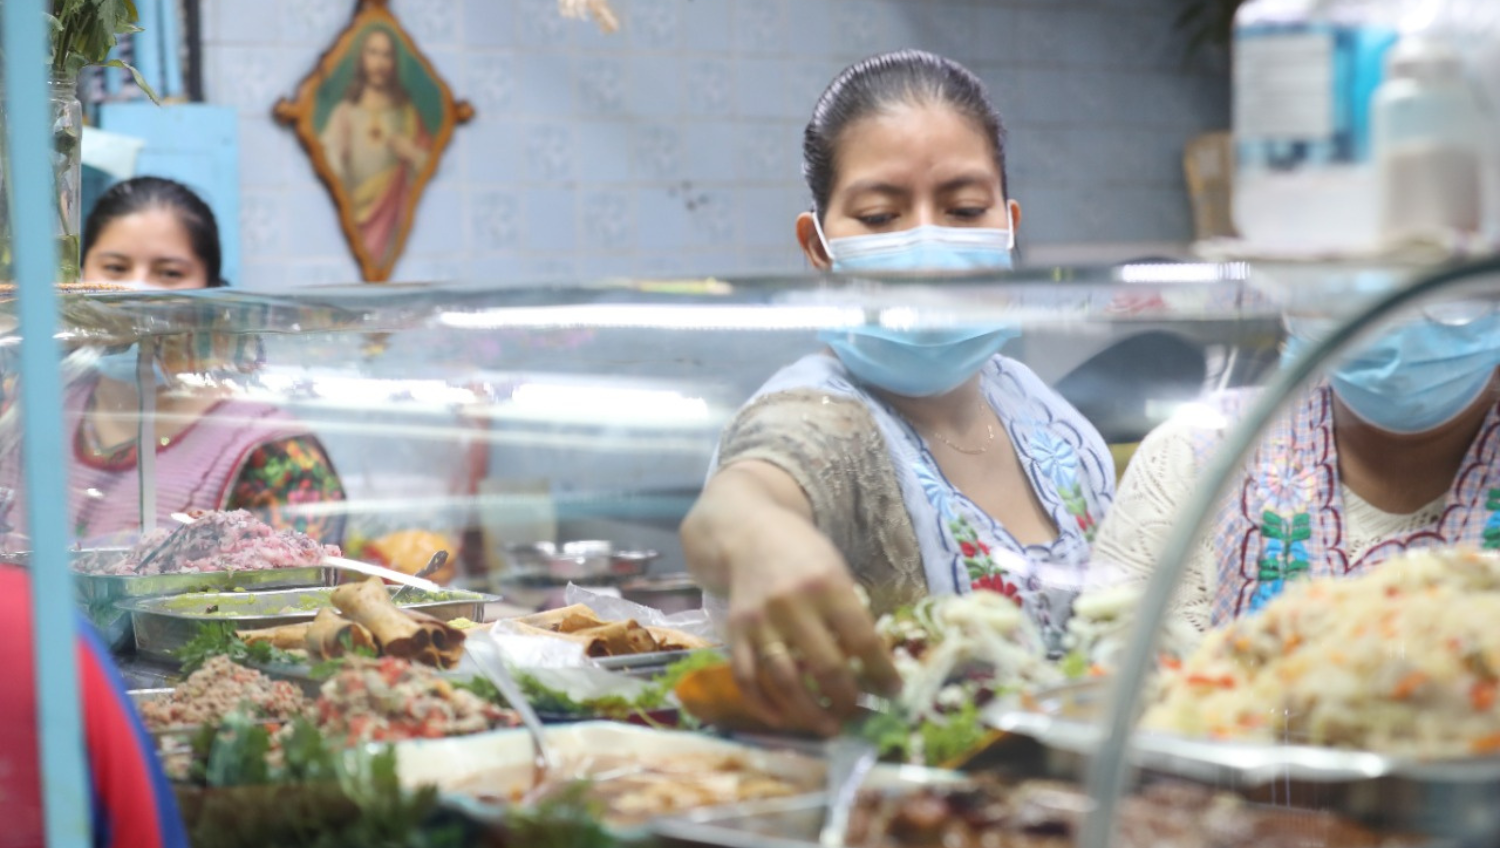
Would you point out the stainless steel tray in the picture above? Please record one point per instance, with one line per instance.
(164, 624)
(98, 595)
(109, 588)
(779, 823)
(640, 662)
(1449, 799)
(1067, 718)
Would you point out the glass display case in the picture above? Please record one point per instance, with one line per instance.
(499, 417)
(495, 423)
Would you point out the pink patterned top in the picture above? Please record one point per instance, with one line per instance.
(1285, 518)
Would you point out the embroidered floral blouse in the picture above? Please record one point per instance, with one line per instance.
(877, 492)
(1288, 515)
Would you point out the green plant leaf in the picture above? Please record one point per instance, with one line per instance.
(140, 81)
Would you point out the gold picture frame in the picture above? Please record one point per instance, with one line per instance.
(375, 117)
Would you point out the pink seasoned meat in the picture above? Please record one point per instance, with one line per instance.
(217, 541)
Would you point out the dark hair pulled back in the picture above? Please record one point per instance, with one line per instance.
(902, 78)
(142, 193)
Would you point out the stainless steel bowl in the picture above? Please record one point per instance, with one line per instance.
(576, 561)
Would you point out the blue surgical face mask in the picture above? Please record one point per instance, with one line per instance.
(121, 366)
(1417, 376)
(927, 248)
(916, 363)
(919, 363)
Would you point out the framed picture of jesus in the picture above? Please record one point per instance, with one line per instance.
(375, 118)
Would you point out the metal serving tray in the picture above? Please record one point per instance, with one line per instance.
(505, 757)
(1449, 799)
(99, 594)
(778, 823)
(163, 625)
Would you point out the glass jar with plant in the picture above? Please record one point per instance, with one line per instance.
(82, 33)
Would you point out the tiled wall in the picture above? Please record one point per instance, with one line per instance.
(673, 146)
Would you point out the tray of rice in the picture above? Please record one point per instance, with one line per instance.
(1376, 693)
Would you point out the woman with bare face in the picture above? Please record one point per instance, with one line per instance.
(214, 451)
(908, 462)
(376, 143)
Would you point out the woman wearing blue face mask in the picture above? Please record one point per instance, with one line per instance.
(213, 452)
(907, 463)
(1399, 448)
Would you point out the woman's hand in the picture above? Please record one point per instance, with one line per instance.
(796, 621)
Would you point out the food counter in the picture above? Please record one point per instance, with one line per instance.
(512, 428)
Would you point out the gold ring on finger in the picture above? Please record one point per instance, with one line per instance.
(774, 649)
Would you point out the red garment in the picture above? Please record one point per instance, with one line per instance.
(133, 806)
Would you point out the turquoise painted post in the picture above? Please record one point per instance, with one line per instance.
(32, 199)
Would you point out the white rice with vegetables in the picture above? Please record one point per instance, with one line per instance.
(1403, 660)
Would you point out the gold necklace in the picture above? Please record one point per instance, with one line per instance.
(989, 430)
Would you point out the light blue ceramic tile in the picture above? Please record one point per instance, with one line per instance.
(714, 215)
(707, 26)
(302, 24)
(1006, 86)
(656, 85)
(267, 150)
(312, 224)
(664, 220)
(710, 88)
(768, 216)
(546, 85)
(804, 83)
(995, 33)
(669, 264)
(419, 268)
(1135, 157)
(1145, 214)
(603, 152)
(494, 149)
(656, 25)
(862, 28)
(251, 78)
(1044, 96)
(1051, 214)
(550, 269)
(589, 38)
(431, 22)
(342, 271)
(487, 23)
(809, 28)
(760, 88)
(768, 151)
(262, 225)
(602, 83)
(945, 28)
(1143, 42)
(776, 262)
(495, 270)
(539, 25)
(267, 276)
(1057, 36)
(609, 220)
(616, 265)
(551, 153)
(551, 220)
(450, 66)
(439, 224)
(711, 148)
(246, 23)
(489, 82)
(760, 26)
(495, 221)
(657, 152)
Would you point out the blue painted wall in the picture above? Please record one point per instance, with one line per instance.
(672, 147)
